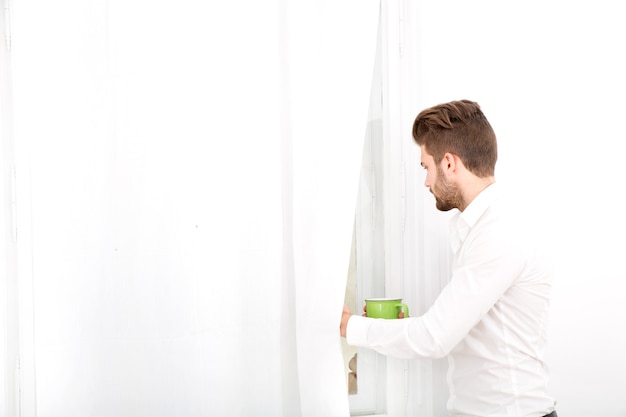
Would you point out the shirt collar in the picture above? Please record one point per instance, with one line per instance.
(462, 222)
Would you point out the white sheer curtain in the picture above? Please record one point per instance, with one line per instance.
(8, 255)
(186, 185)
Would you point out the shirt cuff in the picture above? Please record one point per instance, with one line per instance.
(356, 332)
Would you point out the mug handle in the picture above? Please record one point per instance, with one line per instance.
(404, 308)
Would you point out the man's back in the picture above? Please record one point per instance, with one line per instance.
(498, 368)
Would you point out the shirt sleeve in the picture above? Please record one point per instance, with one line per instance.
(490, 265)
(405, 338)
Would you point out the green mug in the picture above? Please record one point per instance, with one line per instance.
(385, 308)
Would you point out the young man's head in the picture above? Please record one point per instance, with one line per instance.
(455, 138)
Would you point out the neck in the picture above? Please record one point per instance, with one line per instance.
(473, 188)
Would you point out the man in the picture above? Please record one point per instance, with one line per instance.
(491, 319)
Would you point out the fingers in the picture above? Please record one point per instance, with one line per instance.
(345, 316)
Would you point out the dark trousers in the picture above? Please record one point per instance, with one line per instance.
(552, 414)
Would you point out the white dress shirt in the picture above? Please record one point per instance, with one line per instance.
(490, 320)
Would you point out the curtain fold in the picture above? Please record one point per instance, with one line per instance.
(188, 175)
(9, 346)
(331, 66)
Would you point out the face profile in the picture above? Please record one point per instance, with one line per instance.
(447, 195)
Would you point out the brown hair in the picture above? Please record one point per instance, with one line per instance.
(461, 128)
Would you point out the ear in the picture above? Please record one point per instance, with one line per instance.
(450, 162)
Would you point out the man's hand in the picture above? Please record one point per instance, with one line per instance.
(345, 316)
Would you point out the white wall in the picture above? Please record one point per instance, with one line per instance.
(550, 77)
